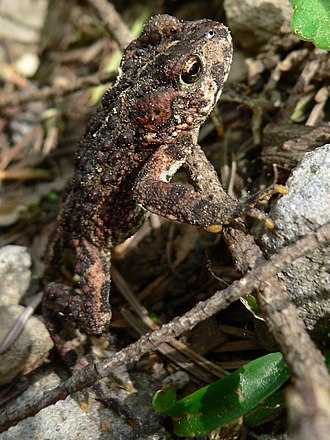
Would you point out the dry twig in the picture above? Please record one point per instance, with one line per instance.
(85, 377)
(56, 91)
(304, 359)
(112, 21)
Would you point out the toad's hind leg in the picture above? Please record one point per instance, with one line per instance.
(85, 307)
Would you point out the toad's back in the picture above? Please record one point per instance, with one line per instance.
(153, 103)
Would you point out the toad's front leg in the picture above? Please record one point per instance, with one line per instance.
(84, 306)
(176, 202)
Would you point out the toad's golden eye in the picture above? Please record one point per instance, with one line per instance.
(192, 70)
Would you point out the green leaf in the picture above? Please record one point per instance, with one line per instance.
(164, 399)
(302, 106)
(228, 398)
(251, 304)
(311, 21)
(52, 196)
(268, 407)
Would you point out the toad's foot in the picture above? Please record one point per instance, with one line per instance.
(246, 206)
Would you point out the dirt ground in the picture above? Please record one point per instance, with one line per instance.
(56, 61)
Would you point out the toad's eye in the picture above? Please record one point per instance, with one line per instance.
(192, 70)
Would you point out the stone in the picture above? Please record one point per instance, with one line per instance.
(28, 351)
(304, 209)
(124, 413)
(256, 22)
(15, 273)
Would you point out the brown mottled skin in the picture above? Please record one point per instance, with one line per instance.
(169, 81)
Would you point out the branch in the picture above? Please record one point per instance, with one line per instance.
(203, 310)
(310, 376)
(112, 22)
(56, 91)
(115, 26)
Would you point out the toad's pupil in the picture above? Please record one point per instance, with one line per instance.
(194, 69)
(191, 71)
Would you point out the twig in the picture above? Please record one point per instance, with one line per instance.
(19, 325)
(309, 411)
(56, 91)
(176, 351)
(112, 21)
(203, 310)
(308, 73)
(301, 354)
(310, 376)
(25, 174)
(176, 357)
(128, 294)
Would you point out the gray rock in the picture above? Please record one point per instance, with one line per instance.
(30, 348)
(110, 419)
(15, 274)
(255, 22)
(20, 25)
(304, 209)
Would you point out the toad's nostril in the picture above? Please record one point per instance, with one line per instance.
(223, 33)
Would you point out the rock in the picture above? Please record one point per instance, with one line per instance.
(15, 274)
(239, 68)
(28, 351)
(20, 26)
(125, 414)
(254, 23)
(304, 209)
